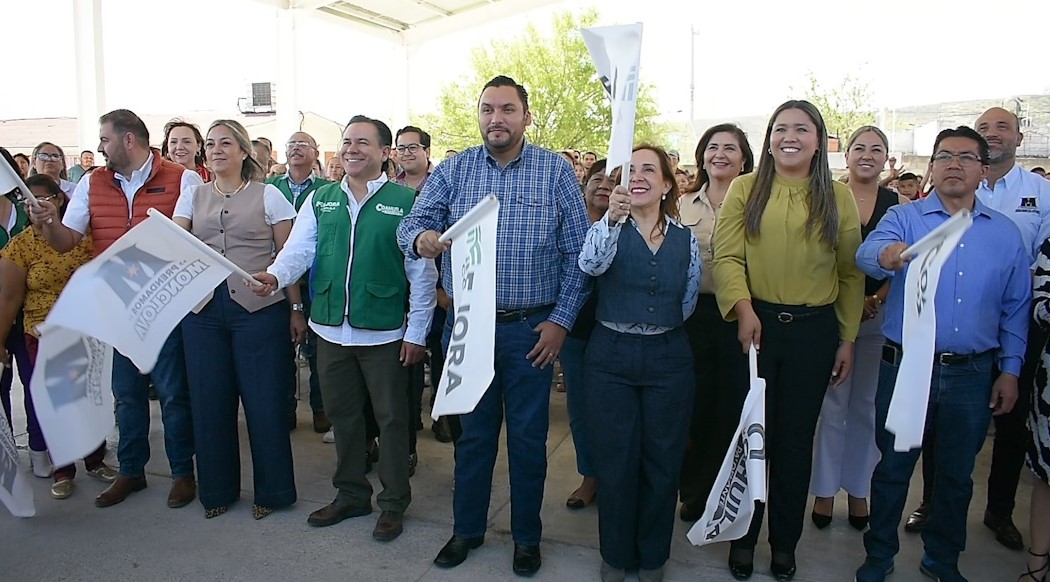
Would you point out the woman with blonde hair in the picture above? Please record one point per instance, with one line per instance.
(784, 268)
(845, 454)
(234, 344)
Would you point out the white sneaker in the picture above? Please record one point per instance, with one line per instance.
(40, 461)
(329, 437)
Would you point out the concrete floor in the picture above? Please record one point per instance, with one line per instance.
(141, 539)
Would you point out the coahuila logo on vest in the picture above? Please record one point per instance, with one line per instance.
(147, 283)
(750, 445)
(326, 207)
(390, 210)
(457, 346)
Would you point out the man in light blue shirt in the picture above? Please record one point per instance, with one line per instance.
(1024, 198)
(982, 305)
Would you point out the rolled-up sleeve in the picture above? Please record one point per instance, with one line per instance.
(422, 278)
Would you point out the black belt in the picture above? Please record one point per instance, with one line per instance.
(892, 352)
(505, 316)
(790, 313)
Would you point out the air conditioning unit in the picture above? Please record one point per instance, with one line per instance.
(262, 100)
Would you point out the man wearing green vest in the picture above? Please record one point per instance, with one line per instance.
(361, 285)
(296, 185)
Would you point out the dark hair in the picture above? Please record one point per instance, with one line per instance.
(86, 152)
(823, 211)
(907, 176)
(1038, 169)
(32, 168)
(424, 137)
(124, 121)
(48, 183)
(968, 133)
(505, 81)
(597, 167)
(668, 205)
(385, 138)
(592, 153)
(198, 156)
(24, 157)
(745, 148)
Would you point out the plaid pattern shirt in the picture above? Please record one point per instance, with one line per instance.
(298, 189)
(542, 223)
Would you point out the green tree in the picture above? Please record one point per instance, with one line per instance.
(569, 106)
(845, 106)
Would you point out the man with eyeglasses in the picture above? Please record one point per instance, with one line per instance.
(413, 153)
(296, 185)
(983, 306)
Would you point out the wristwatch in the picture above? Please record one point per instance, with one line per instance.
(297, 307)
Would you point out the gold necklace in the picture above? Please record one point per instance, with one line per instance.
(239, 188)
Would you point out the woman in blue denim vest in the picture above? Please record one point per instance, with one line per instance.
(639, 369)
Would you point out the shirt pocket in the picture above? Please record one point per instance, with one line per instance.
(539, 214)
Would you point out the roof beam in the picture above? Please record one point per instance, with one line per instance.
(481, 12)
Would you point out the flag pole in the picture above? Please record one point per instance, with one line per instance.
(167, 222)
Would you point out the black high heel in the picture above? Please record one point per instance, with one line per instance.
(783, 570)
(822, 521)
(741, 562)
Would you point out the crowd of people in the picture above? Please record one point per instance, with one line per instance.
(650, 296)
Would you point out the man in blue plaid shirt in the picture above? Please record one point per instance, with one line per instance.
(539, 290)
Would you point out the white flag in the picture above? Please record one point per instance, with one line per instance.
(617, 51)
(134, 294)
(9, 180)
(15, 492)
(906, 417)
(469, 367)
(742, 478)
(72, 388)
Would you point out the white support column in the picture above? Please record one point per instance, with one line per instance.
(91, 76)
(288, 118)
(396, 114)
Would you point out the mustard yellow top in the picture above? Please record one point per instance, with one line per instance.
(47, 272)
(782, 265)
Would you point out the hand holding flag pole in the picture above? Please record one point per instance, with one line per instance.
(9, 180)
(168, 223)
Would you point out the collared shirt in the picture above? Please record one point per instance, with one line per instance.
(599, 250)
(298, 255)
(783, 264)
(298, 189)
(1024, 198)
(78, 215)
(701, 216)
(542, 222)
(985, 290)
(76, 173)
(402, 179)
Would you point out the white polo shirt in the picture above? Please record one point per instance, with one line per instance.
(78, 212)
(1024, 198)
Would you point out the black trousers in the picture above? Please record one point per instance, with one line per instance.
(1012, 436)
(795, 359)
(721, 383)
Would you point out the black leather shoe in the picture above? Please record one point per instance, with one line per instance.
(859, 522)
(1005, 531)
(526, 560)
(918, 518)
(456, 550)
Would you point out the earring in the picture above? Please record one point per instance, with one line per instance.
(770, 150)
(664, 197)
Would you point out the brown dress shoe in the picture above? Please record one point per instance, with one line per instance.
(389, 526)
(119, 490)
(335, 512)
(183, 491)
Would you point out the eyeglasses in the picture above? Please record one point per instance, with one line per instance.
(965, 158)
(412, 148)
(49, 157)
(299, 144)
(24, 200)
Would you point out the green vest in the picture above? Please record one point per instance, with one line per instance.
(282, 184)
(378, 285)
(21, 222)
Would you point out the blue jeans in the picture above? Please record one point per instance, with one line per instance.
(522, 393)
(640, 399)
(958, 406)
(131, 390)
(236, 359)
(571, 358)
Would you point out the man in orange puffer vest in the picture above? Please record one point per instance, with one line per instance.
(111, 201)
